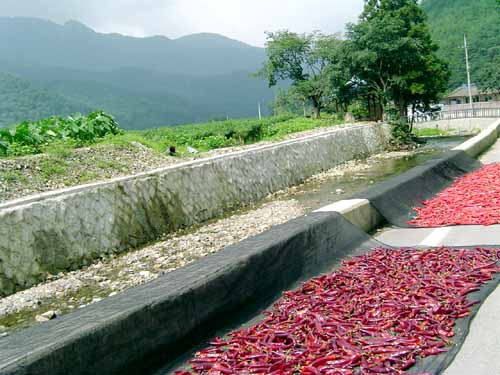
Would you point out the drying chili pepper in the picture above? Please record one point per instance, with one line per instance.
(471, 199)
(378, 314)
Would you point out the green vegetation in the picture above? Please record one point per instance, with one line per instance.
(432, 132)
(22, 100)
(63, 162)
(219, 134)
(393, 57)
(387, 63)
(57, 136)
(310, 61)
(32, 137)
(480, 20)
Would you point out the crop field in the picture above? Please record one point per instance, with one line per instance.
(33, 137)
(98, 128)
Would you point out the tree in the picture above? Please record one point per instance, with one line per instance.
(450, 20)
(288, 101)
(490, 78)
(392, 54)
(306, 61)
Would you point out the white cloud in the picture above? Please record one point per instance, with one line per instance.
(240, 19)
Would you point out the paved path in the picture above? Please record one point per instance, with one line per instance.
(480, 354)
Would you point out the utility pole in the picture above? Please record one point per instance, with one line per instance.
(468, 72)
(260, 113)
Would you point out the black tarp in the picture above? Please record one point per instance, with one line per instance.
(395, 198)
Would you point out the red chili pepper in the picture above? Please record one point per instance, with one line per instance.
(472, 199)
(377, 314)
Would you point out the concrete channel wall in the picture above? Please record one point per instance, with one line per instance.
(65, 229)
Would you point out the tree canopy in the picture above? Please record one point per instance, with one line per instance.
(387, 58)
(308, 61)
(393, 55)
(480, 20)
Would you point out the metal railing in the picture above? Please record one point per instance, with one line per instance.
(457, 114)
(464, 106)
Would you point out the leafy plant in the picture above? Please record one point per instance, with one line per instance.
(32, 137)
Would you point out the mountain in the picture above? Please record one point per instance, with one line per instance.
(479, 19)
(144, 82)
(21, 100)
(75, 46)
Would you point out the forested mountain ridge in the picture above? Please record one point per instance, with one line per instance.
(22, 100)
(76, 46)
(480, 20)
(144, 82)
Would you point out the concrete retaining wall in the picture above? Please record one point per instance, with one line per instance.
(459, 126)
(65, 229)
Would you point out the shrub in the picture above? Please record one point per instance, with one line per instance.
(31, 137)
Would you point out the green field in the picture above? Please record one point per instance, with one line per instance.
(54, 135)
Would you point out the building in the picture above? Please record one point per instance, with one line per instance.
(461, 96)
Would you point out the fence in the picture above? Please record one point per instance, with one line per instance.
(457, 114)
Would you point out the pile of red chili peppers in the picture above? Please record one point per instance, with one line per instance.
(376, 315)
(472, 199)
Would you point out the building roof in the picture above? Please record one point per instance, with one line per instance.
(463, 91)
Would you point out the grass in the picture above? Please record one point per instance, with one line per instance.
(431, 132)
(63, 162)
(13, 177)
(53, 166)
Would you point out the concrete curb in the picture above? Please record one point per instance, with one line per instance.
(359, 212)
(481, 142)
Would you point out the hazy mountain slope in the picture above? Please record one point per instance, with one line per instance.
(75, 46)
(144, 82)
(21, 100)
(143, 99)
(450, 19)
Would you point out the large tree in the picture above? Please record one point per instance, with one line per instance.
(305, 60)
(392, 54)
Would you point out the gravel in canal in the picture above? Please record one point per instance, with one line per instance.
(67, 291)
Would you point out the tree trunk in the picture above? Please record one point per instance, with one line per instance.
(403, 109)
(316, 108)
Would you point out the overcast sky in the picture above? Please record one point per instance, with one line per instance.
(245, 20)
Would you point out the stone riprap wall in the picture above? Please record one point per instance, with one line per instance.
(67, 229)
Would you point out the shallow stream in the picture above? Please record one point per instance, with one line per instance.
(318, 193)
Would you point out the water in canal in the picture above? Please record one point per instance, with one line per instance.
(315, 194)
